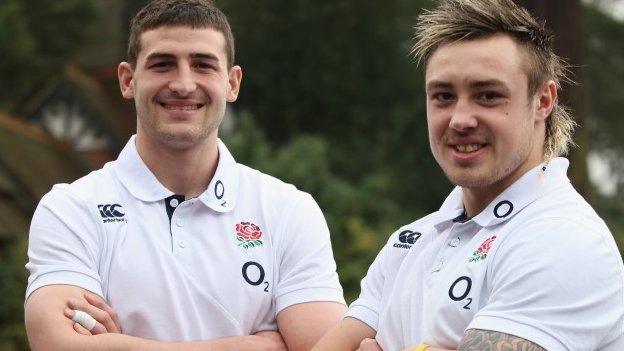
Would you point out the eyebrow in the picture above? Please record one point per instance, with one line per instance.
(487, 83)
(164, 55)
(438, 84)
(476, 84)
(203, 56)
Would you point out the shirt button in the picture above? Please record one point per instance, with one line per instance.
(181, 244)
(179, 222)
(174, 203)
(438, 266)
(455, 242)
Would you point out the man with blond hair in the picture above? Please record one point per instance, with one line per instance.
(514, 259)
(175, 244)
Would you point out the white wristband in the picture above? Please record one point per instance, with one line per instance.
(84, 319)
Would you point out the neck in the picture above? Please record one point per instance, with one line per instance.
(476, 199)
(186, 171)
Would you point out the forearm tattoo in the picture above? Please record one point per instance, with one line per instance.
(487, 340)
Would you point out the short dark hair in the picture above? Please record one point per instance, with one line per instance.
(192, 13)
(456, 20)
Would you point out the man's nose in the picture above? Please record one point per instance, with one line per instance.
(183, 83)
(463, 116)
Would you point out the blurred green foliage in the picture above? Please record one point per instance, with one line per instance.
(36, 40)
(605, 84)
(12, 287)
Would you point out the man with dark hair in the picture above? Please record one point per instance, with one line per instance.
(175, 241)
(514, 259)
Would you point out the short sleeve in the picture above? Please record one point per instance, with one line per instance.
(63, 244)
(367, 306)
(307, 270)
(557, 283)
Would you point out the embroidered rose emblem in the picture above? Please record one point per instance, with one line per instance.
(248, 230)
(248, 235)
(482, 250)
(487, 244)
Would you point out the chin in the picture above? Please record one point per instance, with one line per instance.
(181, 139)
(467, 182)
(471, 178)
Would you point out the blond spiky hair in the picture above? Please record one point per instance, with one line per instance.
(456, 20)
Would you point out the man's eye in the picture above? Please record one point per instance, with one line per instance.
(489, 96)
(161, 65)
(204, 66)
(443, 97)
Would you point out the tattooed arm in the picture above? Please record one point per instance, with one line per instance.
(487, 340)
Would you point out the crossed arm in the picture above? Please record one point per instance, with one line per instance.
(352, 334)
(479, 340)
(49, 328)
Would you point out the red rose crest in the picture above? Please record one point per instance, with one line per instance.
(248, 235)
(483, 250)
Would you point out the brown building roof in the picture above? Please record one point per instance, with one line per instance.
(30, 163)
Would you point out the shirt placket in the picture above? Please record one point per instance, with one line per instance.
(179, 228)
(455, 241)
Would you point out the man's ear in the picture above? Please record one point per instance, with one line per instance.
(125, 74)
(547, 97)
(235, 76)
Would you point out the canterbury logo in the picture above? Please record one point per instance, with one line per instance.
(407, 238)
(110, 211)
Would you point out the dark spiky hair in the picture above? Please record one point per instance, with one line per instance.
(191, 13)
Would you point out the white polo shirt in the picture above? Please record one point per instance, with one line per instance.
(222, 264)
(537, 263)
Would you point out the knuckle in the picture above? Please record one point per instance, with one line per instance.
(98, 329)
(367, 343)
(77, 304)
(97, 314)
(95, 303)
(107, 318)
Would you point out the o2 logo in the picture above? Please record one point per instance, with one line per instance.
(460, 289)
(253, 273)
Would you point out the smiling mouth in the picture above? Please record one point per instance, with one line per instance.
(190, 107)
(467, 148)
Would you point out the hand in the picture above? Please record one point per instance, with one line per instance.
(369, 345)
(106, 317)
(274, 340)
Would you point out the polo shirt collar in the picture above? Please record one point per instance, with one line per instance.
(136, 177)
(220, 195)
(524, 191)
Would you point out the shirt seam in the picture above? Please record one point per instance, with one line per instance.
(560, 339)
